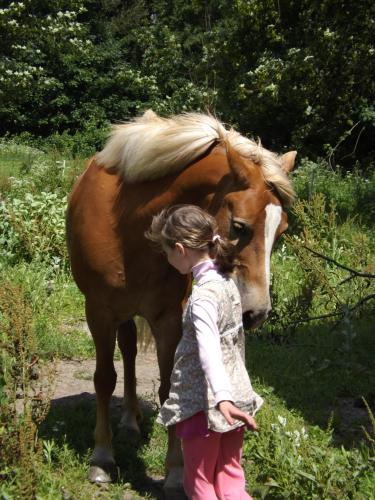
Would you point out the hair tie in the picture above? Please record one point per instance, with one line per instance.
(216, 238)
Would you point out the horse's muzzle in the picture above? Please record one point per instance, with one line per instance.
(252, 319)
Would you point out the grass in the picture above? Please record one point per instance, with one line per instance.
(58, 311)
(16, 160)
(70, 453)
(312, 374)
(317, 372)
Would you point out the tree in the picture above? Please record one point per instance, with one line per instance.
(43, 48)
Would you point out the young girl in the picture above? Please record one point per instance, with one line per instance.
(211, 397)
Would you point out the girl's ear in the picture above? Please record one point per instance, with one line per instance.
(180, 248)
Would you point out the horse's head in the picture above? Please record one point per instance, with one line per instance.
(193, 158)
(252, 215)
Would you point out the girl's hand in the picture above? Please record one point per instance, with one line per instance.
(230, 412)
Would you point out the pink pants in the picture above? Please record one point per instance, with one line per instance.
(212, 466)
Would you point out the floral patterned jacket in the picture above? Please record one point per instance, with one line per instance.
(190, 391)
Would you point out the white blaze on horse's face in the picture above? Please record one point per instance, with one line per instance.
(273, 219)
(255, 296)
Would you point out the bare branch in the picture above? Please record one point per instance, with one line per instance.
(349, 269)
(363, 300)
(313, 318)
(342, 139)
(331, 315)
(356, 144)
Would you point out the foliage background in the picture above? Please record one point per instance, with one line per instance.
(298, 74)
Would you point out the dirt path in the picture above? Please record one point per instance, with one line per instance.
(74, 379)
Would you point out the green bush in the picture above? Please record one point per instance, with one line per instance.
(33, 227)
(297, 74)
(351, 192)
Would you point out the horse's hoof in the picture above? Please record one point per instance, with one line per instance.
(105, 474)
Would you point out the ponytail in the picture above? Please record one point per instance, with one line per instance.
(223, 251)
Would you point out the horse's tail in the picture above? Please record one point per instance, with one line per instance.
(144, 335)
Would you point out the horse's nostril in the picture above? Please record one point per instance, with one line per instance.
(247, 319)
(252, 319)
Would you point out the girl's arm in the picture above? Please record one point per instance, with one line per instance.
(205, 316)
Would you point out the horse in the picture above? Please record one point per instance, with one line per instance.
(148, 164)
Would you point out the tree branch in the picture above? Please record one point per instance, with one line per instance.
(331, 315)
(312, 318)
(362, 301)
(349, 269)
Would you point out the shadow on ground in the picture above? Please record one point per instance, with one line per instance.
(71, 421)
(323, 372)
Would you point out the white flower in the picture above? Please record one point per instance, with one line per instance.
(282, 420)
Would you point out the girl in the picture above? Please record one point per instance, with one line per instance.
(211, 397)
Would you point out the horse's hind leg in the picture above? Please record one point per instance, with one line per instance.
(102, 327)
(127, 341)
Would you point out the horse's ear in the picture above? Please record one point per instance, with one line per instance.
(238, 167)
(149, 115)
(288, 160)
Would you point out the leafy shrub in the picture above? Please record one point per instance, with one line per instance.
(83, 143)
(292, 461)
(306, 284)
(349, 191)
(33, 227)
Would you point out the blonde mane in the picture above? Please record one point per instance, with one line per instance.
(151, 147)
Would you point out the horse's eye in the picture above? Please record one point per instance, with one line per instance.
(239, 226)
(239, 229)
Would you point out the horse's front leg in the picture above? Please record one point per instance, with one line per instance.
(102, 327)
(167, 333)
(127, 341)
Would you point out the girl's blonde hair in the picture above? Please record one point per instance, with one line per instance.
(194, 228)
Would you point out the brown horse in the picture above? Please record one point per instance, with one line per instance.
(148, 164)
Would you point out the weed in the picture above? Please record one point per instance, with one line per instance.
(19, 446)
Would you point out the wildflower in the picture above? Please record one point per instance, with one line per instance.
(282, 420)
